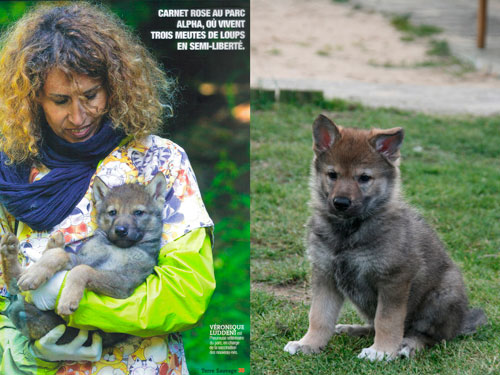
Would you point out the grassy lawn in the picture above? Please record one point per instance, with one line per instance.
(451, 173)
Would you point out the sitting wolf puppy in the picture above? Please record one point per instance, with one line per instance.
(119, 257)
(366, 244)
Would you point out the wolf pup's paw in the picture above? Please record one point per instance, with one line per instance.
(9, 245)
(56, 240)
(294, 347)
(405, 351)
(32, 278)
(67, 307)
(372, 354)
(408, 348)
(69, 301)
(353, 330)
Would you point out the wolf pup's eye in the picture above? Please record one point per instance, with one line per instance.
(332, 175)
(138, 213)
(364, 178)
(112, 213)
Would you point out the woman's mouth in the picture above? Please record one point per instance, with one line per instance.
(81, 132)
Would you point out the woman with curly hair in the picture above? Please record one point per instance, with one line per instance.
(80, 96)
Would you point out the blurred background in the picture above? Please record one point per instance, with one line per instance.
(418, 55)
(211, 122)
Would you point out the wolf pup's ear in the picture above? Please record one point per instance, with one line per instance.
(156, 188)
(325, 133)
(99, 189)
(388, 142)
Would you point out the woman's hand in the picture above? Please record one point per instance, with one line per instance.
(47, 349)
(45, 296)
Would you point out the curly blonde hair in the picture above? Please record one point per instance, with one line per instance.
(84, 39)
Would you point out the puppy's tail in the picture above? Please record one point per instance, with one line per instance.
(473, 319)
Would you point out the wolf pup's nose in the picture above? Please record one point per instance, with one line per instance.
(121, 231)
(341, 203)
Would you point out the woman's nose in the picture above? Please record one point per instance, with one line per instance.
(77, 114)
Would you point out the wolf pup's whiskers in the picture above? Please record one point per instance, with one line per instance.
(366, 244)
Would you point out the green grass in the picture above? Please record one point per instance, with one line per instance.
(439, 48)
(438, 51)
(274, 51)
(325, 52)
(403, 24)
(451, 173)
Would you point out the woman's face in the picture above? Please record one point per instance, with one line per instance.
(70, 116)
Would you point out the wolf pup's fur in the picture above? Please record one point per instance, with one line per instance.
(119, 257)
(366, 244)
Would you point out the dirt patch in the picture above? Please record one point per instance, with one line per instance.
(323, 40)
(295, 293)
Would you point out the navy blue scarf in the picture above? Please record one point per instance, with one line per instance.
(48, 201)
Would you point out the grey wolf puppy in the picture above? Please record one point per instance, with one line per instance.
(119, 257)
(367, 245)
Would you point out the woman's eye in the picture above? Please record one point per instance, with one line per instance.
(332, 175)
(91, 96)
(112, 213)
(61, 102)
(364, 178)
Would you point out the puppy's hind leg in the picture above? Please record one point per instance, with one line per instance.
(325, 308)
(356, 330)
(412, 343)
(56, 240)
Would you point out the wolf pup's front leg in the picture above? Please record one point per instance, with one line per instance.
(101, 281)
(389, 322)
(325, 308)
(11, 268)
(53, 259)
(72, 292)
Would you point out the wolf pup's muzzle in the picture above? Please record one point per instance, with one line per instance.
(345, 208)
(125, 235)
(341, 203)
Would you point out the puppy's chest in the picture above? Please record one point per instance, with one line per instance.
(356, 276)
(107, 257)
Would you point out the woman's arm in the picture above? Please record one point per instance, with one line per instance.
(172, 299)
(15, 354)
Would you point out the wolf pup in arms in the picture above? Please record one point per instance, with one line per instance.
(366, 244)
(119, 257)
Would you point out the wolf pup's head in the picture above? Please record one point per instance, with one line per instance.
(355, 172)
(130, 213)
